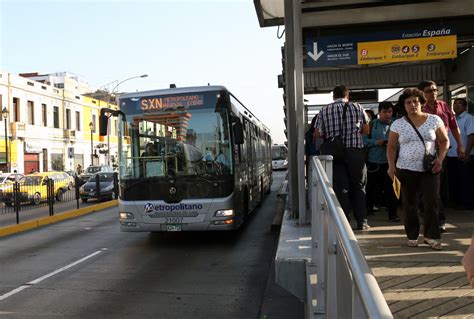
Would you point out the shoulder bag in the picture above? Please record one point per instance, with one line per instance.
(335, 146)
(427, 158)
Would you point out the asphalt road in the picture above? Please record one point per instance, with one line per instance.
(87, 268)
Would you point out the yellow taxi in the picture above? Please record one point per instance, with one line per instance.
(33, 188)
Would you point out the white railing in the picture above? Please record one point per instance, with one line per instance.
(340, 284)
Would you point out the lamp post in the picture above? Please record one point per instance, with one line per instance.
(5, 118)
(91, 126)
(108, 102)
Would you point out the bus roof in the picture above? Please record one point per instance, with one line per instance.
(171, 91)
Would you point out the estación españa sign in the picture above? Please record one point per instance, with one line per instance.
(416, 45)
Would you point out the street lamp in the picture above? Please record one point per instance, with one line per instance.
(108, 102)
(5, 118)
(91, 126)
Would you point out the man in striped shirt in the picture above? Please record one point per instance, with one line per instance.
(349, 174)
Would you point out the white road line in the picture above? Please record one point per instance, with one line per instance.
(40, 279)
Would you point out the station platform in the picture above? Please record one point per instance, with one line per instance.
(418, 282)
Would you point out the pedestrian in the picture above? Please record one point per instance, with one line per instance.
(460, 169)
(79, 169)
(441, 109)
(377, 165)
(347, 121)
(409, 167)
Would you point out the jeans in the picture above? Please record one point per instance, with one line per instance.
(427, 185)
(349, 181)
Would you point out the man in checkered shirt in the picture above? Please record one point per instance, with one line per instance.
(350, 174)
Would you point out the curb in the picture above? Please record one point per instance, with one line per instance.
(14, 229)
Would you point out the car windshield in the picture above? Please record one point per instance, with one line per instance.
(3, 178)
(31, 180)
(93, 169)
(103, 178)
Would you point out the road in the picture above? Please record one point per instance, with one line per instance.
(87, 268)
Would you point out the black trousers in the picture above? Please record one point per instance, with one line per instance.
(460, 182)
(349, 181)
(378, 180)
(427, 185)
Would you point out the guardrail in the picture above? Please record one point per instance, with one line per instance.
(340, 284)
(29, 197)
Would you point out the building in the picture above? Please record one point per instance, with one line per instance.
(49, 124)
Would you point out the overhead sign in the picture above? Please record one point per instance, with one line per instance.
(415, 45)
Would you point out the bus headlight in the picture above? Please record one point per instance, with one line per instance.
(125, 215)
(224, 213)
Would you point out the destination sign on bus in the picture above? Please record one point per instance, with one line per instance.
(171, 102)
(429, 43)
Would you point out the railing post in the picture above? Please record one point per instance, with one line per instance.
(16, 200)
(50, 194)
(116, 188)
(97, 186)
(76, 189)
(317, 225)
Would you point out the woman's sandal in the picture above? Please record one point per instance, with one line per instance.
(412, 243)
(435, 244)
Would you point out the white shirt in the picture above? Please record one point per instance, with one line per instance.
(412, 149)
(466, 128)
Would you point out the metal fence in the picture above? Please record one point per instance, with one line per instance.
(36, 196)
(340, 284)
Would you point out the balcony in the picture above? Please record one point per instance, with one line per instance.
(18, 129)
(69, 134)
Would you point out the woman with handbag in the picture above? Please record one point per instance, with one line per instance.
(423, 146)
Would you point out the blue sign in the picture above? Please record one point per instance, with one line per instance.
(342, 50)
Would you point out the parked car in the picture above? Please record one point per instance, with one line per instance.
(106, 187)
(33, 188)
(91, 170)
(6, 178)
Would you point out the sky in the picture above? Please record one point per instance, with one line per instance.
(188, 43)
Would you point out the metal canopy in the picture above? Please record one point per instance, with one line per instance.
(316, 13)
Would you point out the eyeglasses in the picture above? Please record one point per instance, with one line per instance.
(431, 91)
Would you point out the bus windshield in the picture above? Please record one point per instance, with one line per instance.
(279, 153)
(173, 143)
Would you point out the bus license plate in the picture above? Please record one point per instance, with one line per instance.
(171, 227)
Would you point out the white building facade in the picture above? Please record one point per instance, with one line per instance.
(48, 124)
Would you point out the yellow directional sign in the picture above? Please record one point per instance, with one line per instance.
(412, 49)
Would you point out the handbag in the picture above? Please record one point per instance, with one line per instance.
(427, 157)
(335, 146)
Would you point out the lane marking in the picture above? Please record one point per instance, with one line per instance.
(40, 279)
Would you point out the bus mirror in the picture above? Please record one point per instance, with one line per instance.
(238, 133)
(103, 122)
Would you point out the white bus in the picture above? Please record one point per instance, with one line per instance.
(189, 159)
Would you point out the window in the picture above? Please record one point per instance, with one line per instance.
(68, 119)
(31, 113)
(44, 111)
(93, 123)
(56, 117)
(16, 109)
(78, 121)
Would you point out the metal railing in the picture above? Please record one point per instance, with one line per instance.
(340, 283)
(35, 197)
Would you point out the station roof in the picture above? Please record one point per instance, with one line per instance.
(356, 12)
(329, 19)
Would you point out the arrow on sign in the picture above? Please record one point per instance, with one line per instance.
(316, 55)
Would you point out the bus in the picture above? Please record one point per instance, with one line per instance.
(190, 159)
(279, 156)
